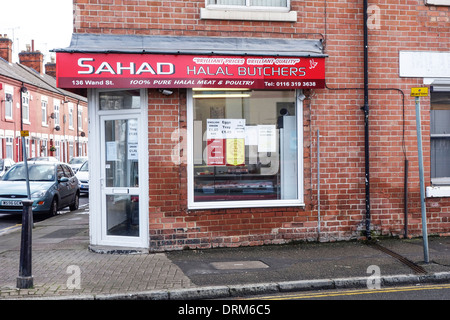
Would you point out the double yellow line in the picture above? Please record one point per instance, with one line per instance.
(354, 292)
(9, 228)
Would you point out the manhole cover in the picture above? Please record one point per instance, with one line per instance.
(231, 265)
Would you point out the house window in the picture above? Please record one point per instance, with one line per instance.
(8, 102)
(70, 116)
(258, 10)
(245, 148)
(440, 137)
(56, 112)
(26, 107)
(44, 104)
(80, 119)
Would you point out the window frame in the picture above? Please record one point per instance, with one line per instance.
(192, 205)
(44, 111)
(248, 7)
(56, 113)
(80, 119)
(438, 181)
(249, 13)
(26, 108)
(9, 103)
(70, 111)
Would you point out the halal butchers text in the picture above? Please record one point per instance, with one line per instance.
(183, 71)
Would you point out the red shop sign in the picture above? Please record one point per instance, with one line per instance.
(84, 70)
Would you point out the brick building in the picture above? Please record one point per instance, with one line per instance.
(261, 122)
(55, 118)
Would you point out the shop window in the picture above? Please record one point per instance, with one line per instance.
(440, 138)
(246, 148)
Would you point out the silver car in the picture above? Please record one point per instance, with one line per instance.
(76, 162)
(5, 164)
(83, 177)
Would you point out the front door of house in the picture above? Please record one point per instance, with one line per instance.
(123, 208)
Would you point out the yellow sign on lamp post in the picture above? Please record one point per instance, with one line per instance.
(419, 92)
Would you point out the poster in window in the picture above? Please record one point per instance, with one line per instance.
(235, 152)
(216, 152)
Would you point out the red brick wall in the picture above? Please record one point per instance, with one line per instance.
(335, 111)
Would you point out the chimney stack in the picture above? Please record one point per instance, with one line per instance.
(32, 59)
(6, 48)
(50, 67)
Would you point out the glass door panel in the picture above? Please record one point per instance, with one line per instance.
(121, 176)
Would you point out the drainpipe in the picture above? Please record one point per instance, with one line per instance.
(366, 120)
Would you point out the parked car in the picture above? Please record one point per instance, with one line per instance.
(83, 177)
(43, 159)
(53, 186)
(5, 164)
(76, 162)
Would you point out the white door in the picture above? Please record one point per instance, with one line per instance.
(122, 193)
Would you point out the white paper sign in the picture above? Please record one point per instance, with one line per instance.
(133, 151)
(267, 138)
(214, 129)
(111, 151)
(225, 129)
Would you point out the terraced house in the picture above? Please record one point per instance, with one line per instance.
(56, 119)
(249, 122)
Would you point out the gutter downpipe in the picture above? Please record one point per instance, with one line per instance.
(366, 120)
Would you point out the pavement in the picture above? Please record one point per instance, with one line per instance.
(64, 268)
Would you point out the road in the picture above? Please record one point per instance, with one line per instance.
(10, 222)
(417, 292)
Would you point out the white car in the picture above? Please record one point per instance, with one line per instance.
(5, 164)
(83, 177)
(76, 162)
